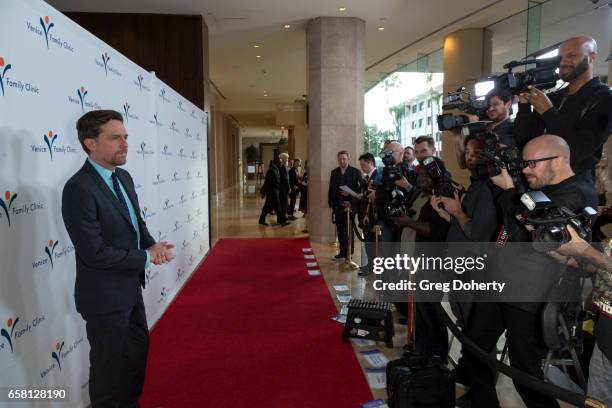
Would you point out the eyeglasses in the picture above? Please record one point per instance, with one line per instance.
(532, 163)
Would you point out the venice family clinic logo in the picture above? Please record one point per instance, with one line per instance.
(82, 92)
(3, 71)
(50, 249)
(6, 204)
(49, 139)
(46, 26)
(57, 354)
(10, 325)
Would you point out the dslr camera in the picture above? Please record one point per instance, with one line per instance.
(443, 184)
(548, 222)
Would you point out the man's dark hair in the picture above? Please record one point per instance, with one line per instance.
(409, 148)
(469, 138)
(368, 157)
(502, 94)
(343, 152)
(88, 125)
(430, 140)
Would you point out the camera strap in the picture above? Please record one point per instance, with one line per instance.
(502, 236)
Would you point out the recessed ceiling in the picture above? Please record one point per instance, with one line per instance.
(236, 26)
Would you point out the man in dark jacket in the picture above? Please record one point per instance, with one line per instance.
(581, 113)
(270, 190)
(294, 187)
(338, 200)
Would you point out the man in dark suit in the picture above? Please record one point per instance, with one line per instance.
(283, 193)
(294, 187)
(367, 209)
(113, 247)
(338, 200)
(270, 190)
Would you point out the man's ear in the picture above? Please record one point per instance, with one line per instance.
(90, 143)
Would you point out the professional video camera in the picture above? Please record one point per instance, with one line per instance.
(549, 223)
(443, 184)
(543, 76)
(461, 100)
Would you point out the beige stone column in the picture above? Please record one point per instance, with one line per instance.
(336, 81)
(467, 59)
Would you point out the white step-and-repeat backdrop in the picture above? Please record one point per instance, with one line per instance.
(51, 72)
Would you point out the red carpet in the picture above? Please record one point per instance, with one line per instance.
(252, 329)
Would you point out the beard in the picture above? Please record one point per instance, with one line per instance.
(575, 71)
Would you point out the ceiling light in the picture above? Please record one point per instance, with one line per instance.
(256, 46)
(258, 56)
(381, 28)
(342, 9)
(287, 26)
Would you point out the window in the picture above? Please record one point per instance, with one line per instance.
(428, 120)
(414, 108)
(420, 122)
(421, 106)
(413, 124)
(429, 103)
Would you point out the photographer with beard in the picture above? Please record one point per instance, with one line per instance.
(498, 112)
(547, 160)
(581, 112)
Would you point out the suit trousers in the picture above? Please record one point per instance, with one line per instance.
(340, 215)
(118, 357)
(293, 195)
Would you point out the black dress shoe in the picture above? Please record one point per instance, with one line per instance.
(265, 224)
(282, 224)
(364, 271)
(292, 218)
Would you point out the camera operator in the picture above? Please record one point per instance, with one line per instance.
(600, 367)
(581, 113)
(431, 335)
(500, 106)
(547, 160)
(367, 214)
(338, 200)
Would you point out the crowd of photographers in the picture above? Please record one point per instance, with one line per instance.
(531, 180)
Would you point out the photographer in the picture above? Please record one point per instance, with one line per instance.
(499, 106)
(581, 113)
(431, 336)
(547, 160)
(392, 179)
(600, 368)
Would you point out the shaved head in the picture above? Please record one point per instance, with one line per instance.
(588, 44)
(555, 166)
(546, 145)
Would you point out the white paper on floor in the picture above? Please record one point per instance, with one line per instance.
(363, 342)
(377, 378)
(311, 264)
(314, 272)
(375, 358)
(344, 310)
(344, 298)
(339, 318)
(374, 404)
(306, 249)
(309, 257)
(341, 288)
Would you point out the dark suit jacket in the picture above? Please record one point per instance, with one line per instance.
(293, 180)
(109, 266)
(271, 184)
(284, 179)
(351, 179)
